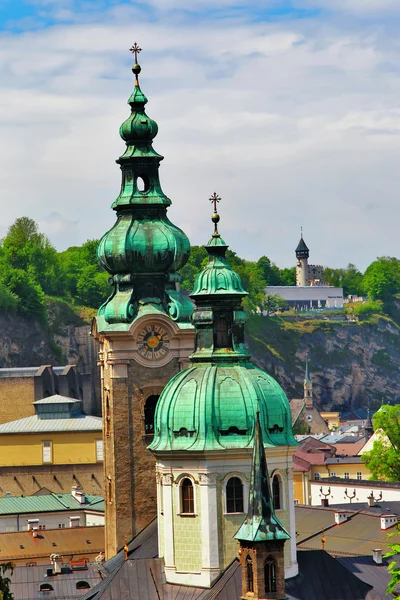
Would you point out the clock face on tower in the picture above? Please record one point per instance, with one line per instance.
(153, 341)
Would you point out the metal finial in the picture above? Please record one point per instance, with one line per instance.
(215, 218)
(136, 67)
(135, 50)
(301, 231)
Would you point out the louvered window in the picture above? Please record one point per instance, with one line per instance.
(99, 450)
(46, 452)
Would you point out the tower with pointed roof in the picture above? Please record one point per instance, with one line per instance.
(143, 328)
(204, 433)
(261, 536)
(308, 388)
(302, 254)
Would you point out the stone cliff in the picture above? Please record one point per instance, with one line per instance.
(352, 363)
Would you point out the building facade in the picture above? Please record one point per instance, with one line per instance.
(59, 446)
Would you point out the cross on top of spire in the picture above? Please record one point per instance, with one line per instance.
(135, 50)
(215, 218)
(215, 198)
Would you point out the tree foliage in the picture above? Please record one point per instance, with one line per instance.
(393, 567)
(5, 593)
(383, 460)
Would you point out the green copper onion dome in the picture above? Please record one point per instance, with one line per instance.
(143, 250)
(213, 404)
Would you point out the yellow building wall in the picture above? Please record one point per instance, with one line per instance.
(298, 488)
(66, 448)
(340, 470)
(333, 419)
(187, 536)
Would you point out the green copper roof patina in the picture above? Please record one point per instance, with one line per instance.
(261, 523)
(143, 250)
(213, 404)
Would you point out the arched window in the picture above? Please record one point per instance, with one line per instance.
(149, 412)
(276, 492)
(234, 495)
(187, 496)
(46, 587)
(249, 574)
(270, 575)
(82, 585)
(221, 333)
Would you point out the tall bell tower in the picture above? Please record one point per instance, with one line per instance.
(143, 328)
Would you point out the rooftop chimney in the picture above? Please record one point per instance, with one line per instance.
(78, 494)
(324, 501)
(56, 560)
(377, 556)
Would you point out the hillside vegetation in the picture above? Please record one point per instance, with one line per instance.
(353, 362)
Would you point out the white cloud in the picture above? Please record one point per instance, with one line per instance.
(292, 123)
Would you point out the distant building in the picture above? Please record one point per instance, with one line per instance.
(303, 411)
(57, 447)
(46, 510)
(20, 387)
(74, 550)
(310, 291)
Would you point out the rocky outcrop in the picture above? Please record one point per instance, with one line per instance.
(352, 363)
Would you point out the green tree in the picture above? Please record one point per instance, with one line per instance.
(271, 303)
(383, 460)
(5, 593)
(393, 567)
(25, 248)
(92, 286)
(382, 278)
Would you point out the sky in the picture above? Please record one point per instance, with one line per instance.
(288, 109)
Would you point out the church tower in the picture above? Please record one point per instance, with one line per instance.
(308, 391)
(205, 428)
(302, 255)
(262, 535)
(143, 328)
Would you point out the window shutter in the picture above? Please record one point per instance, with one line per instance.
(99, 450)
(46, 446)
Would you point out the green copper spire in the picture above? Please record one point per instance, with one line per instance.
(261, 523)
(143, 250)
(307, 373)
(212, 404)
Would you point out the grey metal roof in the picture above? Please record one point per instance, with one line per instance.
(56, 399)
(26, 581)
(35, 425)
(343, 459)
(19, 372)
(367, 570)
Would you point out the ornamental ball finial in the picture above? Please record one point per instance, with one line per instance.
(215, 217)
(135, 49)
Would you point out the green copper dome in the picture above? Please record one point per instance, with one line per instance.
(210, 407)
(143, 250)
(218, 277)
(213, 404)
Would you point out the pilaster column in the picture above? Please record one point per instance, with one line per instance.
(209, 521)
(169, 554)
(293, 569)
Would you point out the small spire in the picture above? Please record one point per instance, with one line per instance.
(301, 231)
(215, 218)
(261, 523)
(307, 374)
(135, 49)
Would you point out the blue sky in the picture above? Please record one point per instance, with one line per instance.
(290, 110)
